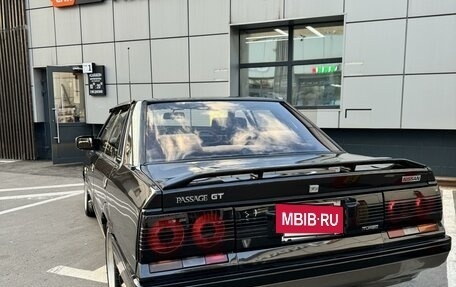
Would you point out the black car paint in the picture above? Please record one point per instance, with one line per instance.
(266, 189)
(327, 263)
(123, 193)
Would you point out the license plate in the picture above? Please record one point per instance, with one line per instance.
(306, 219)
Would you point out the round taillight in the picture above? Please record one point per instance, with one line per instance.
(208, 230)
(392, 215)
(391, 205)
(419, 199)
(166, 236)
(421, 206)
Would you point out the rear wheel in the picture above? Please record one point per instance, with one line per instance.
(114, 279)
(88, 203)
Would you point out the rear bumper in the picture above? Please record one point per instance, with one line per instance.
(376, 266)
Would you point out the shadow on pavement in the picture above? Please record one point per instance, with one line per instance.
(41, 167)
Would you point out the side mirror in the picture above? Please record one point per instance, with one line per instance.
(85, 142)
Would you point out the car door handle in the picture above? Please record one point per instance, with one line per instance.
(105, 182)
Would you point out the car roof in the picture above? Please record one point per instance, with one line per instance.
(225, 99)
(126, 105)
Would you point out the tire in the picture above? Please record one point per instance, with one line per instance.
(113, 275)
(88, 203)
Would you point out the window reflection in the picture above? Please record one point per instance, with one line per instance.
(268, 82)
(220, 129)
(265, 64)
(270, 45)
(69, 97)
(316, 85)
(317, 42)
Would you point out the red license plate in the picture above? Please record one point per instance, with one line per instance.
(309, 219)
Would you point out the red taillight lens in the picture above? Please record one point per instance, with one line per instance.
(186, 234)
(411, 207)
(166, 236)
(208, 230)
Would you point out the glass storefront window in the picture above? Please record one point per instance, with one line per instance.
(305, 71)
(268, 82)
(317, 85)
(317, 42)
(267, 45)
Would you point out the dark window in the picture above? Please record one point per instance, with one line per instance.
(112, 133)
(300, 63)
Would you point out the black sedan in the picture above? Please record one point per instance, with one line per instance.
(248, 192)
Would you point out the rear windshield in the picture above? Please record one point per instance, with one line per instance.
(218, 129)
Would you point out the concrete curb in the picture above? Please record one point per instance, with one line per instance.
(446, 181)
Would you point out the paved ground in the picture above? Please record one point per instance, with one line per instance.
(44, 228)
(46, 240)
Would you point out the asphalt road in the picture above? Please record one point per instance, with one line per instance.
(46, 240)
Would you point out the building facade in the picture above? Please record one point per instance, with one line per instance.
(378, 76)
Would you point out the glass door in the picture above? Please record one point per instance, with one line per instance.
(67, 113)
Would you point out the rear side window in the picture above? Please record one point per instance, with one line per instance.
(112, 133)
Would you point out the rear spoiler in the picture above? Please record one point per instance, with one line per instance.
(257, 173)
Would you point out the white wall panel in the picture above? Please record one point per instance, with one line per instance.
(168, 18)
(361, 10)
(381, 94)
(209, 16)
(97, 107)
(38, 3)
(43, 57)
(323, 118)
(102, 54)
(139, 62)
(431, 45)
(42, 27)
(131, 18)
(313, 8)
(138, 92)
(243, 11)
(97, 22)
(170, 60)
(67, 26)
(208, 90)
(68, 55)
(209, 58)
(170, 91)
(374, 48)
(429, 102)
(430, 7)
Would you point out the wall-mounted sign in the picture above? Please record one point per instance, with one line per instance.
(66, 3)
(87, 68)
(97, 85)
(63, 3)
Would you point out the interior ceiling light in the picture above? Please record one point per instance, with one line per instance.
(281, 32)
(264, 37)
(315, 31)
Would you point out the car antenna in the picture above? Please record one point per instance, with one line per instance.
(129, 74)
(131, 113)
